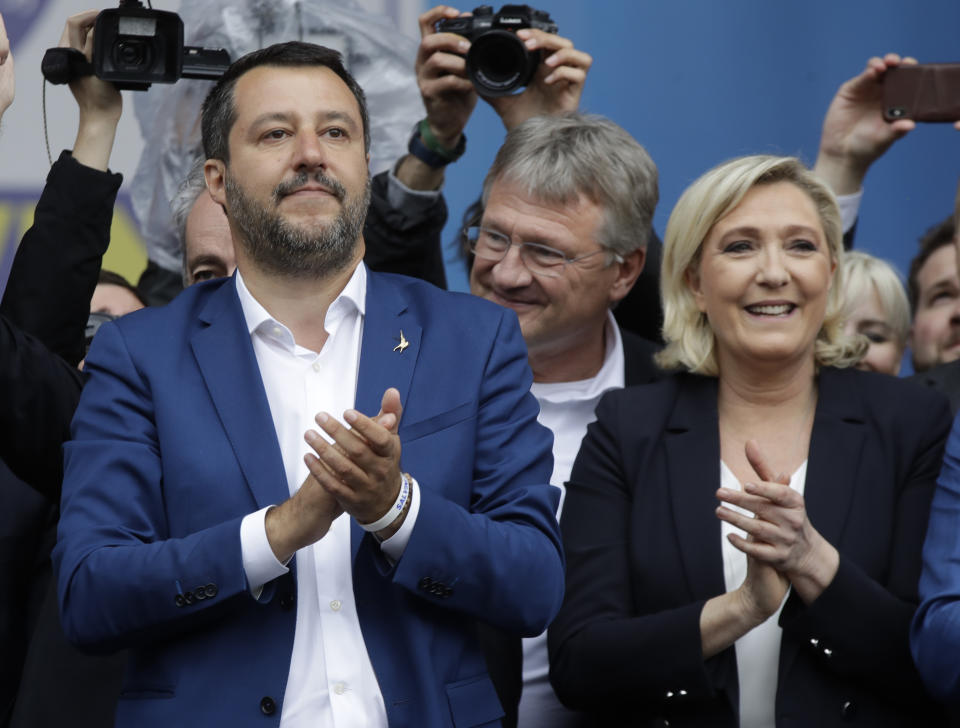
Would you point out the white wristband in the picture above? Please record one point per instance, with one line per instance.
(395, 510)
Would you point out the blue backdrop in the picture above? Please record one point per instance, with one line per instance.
(699, 81)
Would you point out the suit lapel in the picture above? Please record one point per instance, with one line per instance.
(384, 359)
(229, 369)
(692, 443)
(836, 446)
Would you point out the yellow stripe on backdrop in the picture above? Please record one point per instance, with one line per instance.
(6, 216)
(126, 254)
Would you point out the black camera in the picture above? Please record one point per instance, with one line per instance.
(498, 63)
(134, 47)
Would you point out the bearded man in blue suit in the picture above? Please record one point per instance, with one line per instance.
(264, 580)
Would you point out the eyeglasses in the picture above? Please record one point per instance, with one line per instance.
(541, 260)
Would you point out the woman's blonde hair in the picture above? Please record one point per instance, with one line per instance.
(690, 341)
(865, 274)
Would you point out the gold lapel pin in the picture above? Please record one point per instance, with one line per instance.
(403, 343)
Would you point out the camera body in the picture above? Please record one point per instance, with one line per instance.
(135, 47)
(498, 63)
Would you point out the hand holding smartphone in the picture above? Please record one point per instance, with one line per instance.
(928, 92)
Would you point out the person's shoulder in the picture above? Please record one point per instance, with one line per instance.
(182, 312)
(884, 397)
(436, 303)
(943, 378)
(651, 404)
(881, 388)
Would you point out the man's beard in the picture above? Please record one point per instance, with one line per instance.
(279, 247)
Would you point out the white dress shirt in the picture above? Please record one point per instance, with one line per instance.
(566, 408)
(331, 681)
(758, 651)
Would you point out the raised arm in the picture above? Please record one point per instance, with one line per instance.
(57, 263)
(449, 97)
(557, 83)
(855, 134)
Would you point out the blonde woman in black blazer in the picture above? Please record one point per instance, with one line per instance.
(784, 597)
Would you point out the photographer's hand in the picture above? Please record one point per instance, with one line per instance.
(556, 85)
(6, 70)
(448, 96)
(99, 101)
(855, 134)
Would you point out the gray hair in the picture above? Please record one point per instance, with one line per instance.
(187, 195)
(558, 158)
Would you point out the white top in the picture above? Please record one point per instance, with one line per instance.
(566, 408)
(331, 680)
(758, 651)
(849, 208)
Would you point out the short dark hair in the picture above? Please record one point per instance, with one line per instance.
(219, 112)
(935, 238)
(109, 278)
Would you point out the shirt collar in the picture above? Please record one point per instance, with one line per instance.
(353, 297)
(611, 375)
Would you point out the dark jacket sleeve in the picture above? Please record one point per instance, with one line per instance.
(399, 241)
(56, 266)
(606, 651)
(39, 391)
(858, 628)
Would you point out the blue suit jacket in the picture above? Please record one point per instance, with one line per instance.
(174, 444)
(935, 637)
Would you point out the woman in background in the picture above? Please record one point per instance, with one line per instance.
(877, 307)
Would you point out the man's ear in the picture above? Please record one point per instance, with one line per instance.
(214, 174)
(692, 277)
(627, 273)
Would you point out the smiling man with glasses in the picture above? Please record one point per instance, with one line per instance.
(567, 207)
(567, 210)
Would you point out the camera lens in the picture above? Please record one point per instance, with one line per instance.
(498, 63)
(131, 54)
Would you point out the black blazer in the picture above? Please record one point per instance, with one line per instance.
(944, 378)
(503, 651)
(644, 554)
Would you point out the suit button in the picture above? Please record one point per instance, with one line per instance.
(425, 583)
(267, 706)
(210, 590)
(179, 600)
(287, 601)
(188, 597)
(848, 711)
(199, 594)
(447, 591)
